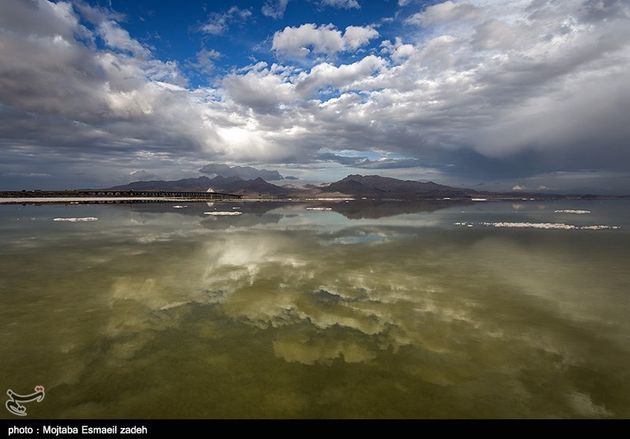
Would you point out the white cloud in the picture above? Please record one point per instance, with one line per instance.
(397, 50)
(274, 8)
(444, 12)
(325, 39)
(118, 38)
(357, 36)
(205, 60)
(323, 75)
(473, 88)
(217, 23)
(494, 34)
(343, 4)
(260, 88)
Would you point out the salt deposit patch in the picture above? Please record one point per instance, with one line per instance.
(464, 224)
(553, 226)
(319, 208)
(546, 226)
(333, 199)
(77, 220)
(223, 213)
(573, 211)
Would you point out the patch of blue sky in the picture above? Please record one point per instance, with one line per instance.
(174, 30)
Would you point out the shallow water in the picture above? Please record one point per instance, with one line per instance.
(366, 310)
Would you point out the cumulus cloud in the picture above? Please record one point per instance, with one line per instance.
(444, 12)
(356, 36)
(274, 8)
(342, 77)
(490, 84)
(261, 88)
(325, 39)
(65, 102)
(397, 50)
(494, 34)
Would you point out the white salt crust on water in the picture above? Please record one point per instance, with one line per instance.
(77, 220)
(319, 208)
(573, 211)
(223, 213)
(546, 226)
(334, 199)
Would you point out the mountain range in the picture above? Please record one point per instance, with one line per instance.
(375, 186)
(236, 185)
(370, 186)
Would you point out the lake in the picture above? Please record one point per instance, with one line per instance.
(352, 309)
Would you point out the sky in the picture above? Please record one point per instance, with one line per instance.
(494, 94)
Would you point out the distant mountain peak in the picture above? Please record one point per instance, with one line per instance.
(371, 186)
(230, 184)
(382, 187)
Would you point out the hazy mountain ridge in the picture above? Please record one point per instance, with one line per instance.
(202, 184)
(372, 186)
(387, 187)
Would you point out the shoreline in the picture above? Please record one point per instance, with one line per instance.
(121, 200)
(86, 200)
(114, 200)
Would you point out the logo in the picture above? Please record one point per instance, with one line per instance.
(13, 403)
